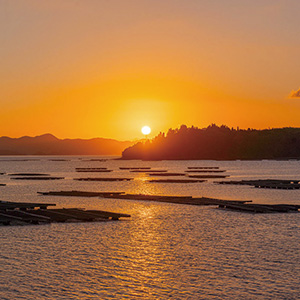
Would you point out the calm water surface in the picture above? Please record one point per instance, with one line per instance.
(164, 251)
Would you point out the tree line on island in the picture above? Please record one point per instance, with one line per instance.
(218, 143)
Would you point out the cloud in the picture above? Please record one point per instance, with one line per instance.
(295, 94)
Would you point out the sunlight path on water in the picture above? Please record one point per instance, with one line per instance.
(164, 250)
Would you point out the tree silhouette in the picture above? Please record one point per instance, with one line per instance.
(220, 143)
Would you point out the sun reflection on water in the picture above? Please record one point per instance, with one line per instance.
(142, 186)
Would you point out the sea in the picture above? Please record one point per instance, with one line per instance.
(164, 251)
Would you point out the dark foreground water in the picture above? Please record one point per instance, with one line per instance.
(165, 251)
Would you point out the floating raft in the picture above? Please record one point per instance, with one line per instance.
(134, 168)
(149, 171)
(262, 208)
(167, 174)
(268, 183)
(205, 171)
(84, 169)
(78, 193)
(4, 205)
(28, 174)
(203, 168)
(92, 170)
(208, 176)
(239, 205)
(176, 180)
(18, 213)
(175, 199)
(104, 179)
(37, 178)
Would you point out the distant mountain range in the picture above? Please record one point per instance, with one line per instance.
(48, 144)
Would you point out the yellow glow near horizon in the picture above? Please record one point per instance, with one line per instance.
(146, 130)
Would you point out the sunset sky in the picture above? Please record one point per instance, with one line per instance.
(105, 68)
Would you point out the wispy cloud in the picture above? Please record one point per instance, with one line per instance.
(295, 94)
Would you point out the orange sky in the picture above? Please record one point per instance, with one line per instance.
(99, 68)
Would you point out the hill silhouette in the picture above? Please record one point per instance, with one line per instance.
(218, 143)
(48, 144)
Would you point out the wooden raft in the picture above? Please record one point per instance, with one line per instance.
(103, 179)
(37, 178)
(176, 180)
(205, 171)
(166, 174)
(159, 198)
(175, 199)
(267, 183)
(203, 168)
(148, 171)
(91, 170)
(134, 168)
(79, 193)
(208, 176)
(238, 205)
(29, 174)
(18, 213)
(262, 208)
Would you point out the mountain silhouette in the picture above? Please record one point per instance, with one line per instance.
(48, 144)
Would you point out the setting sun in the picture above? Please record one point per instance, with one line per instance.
(146, 130)
(160, 110)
